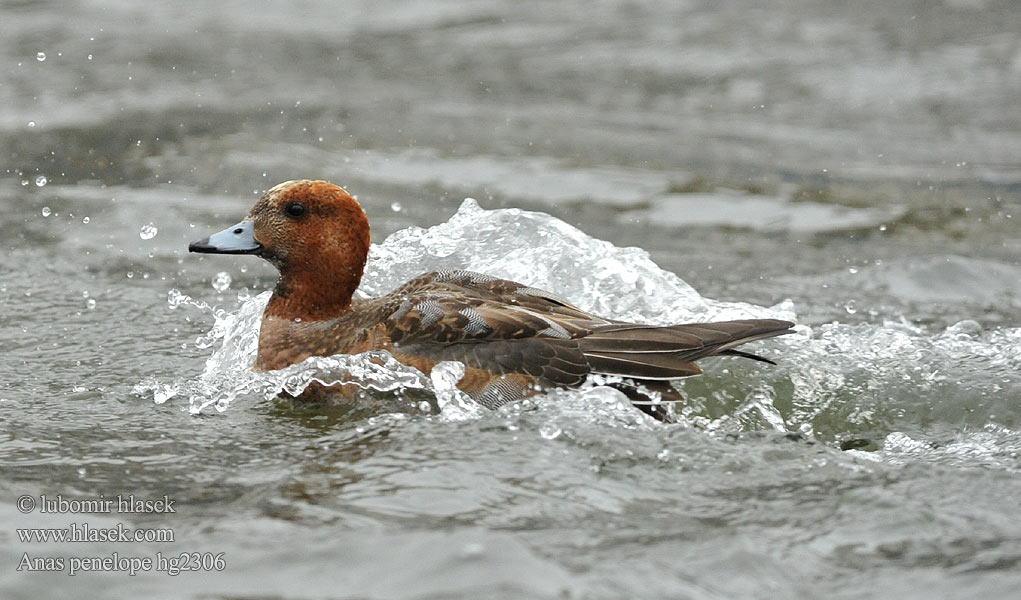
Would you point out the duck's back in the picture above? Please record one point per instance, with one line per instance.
(514, 339)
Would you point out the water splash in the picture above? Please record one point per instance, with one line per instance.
(833, 380)
(540, 250)
(228, 374)
(992, 446)
(847, 379)
(454, 404)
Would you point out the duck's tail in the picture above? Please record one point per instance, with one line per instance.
(649, 355)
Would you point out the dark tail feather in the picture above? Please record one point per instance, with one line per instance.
(746, 355)
(648, 352)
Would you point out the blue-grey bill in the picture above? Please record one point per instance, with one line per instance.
(239, 239)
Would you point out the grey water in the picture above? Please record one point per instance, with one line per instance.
(852, 166)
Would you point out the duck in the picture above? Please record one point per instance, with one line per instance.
(514, 340)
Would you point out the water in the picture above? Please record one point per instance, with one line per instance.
(852, 168)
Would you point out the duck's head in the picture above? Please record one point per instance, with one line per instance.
(315, 234)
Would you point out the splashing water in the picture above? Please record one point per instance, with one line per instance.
(537, 249)
(832, 381)
(228, 374)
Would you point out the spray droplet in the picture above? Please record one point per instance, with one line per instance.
(90, 303)
(550, 431)
(86, 220)
(148, 232)
(40, 56)
(40, 181)
(46, 211)
(221, 281)
(31, 123)
(396, 206)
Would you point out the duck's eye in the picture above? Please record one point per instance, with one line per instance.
(295, 210)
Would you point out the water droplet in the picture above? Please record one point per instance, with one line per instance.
(851, 307)
(46, 211)
(24, 182)
(244, 295)
(396, 206)
(131, 274)
(550, 431)
(89, 57)
(221, 281)
(175, 298)
(31, 123)
(86, 220)
(40, 56)
(852, 270)
(90, 303)
(40, 181)
(148, 232)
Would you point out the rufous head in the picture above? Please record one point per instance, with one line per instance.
(315, 234)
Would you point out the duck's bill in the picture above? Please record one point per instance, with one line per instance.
(239, 239)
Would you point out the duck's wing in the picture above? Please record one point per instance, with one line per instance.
(513, 338)
(457, 306)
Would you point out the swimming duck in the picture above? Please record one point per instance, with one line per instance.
(513, 339)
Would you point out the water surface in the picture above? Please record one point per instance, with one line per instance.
(852, 168)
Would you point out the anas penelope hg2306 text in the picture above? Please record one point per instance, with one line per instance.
(514, 340)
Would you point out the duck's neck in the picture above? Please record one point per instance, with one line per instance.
(314, 296)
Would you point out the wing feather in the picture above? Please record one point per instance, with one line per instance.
(535, 339)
